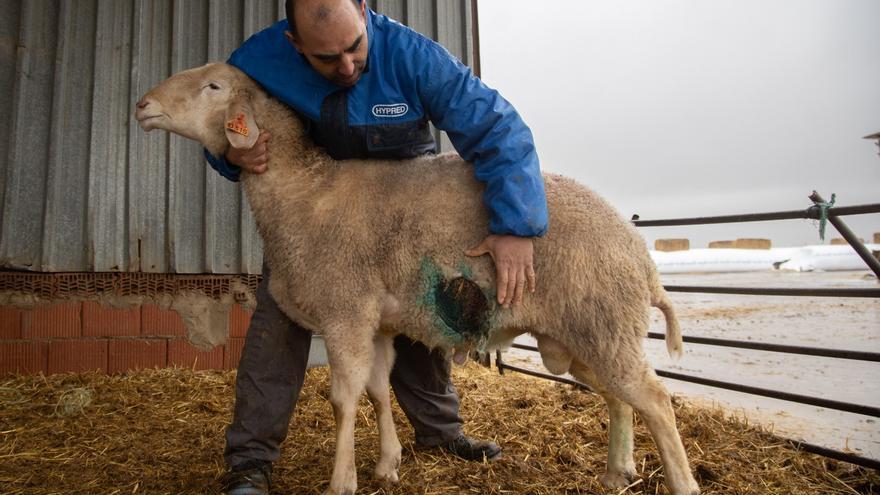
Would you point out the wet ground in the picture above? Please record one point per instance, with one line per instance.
(837, 323)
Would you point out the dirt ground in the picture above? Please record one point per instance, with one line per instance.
(838, 323)
(161, 432)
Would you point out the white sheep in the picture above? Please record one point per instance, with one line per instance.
(362, 250)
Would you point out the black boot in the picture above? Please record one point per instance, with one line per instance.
(250, 478)
(471, 449)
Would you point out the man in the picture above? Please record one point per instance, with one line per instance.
(367, 86)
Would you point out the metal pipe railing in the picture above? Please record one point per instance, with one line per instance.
(809, 213)
(787, 349)
(777, 291)
(760, 346)
(776, 394)
(834, 454)
(814, 212)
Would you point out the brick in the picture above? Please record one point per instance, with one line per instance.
(131, 354)
(103, 321)
(182, 353)
(10, 323)
(156, 321)
(58, 321)
(239, 321)
(77, 355)
(23, 357)
(232, 353)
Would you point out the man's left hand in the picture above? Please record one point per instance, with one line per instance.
(513, 257)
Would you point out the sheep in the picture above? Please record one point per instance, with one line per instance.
(363, 250)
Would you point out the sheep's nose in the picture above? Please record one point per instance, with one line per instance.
(143, 104)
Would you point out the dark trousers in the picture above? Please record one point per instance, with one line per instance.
(272, 369)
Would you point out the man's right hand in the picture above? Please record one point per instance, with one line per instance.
(254, 160)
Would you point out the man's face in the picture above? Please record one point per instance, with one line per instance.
(332, 35)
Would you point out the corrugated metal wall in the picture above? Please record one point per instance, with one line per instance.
(82, 188)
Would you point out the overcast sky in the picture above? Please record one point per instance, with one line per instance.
(682, 108)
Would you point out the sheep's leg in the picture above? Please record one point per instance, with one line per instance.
(636, 383)
(350, 353)
(621, 469)
(378, 388)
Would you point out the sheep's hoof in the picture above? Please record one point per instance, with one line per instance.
(342, 484)
(387, 476)
(618, 480)
(386, 469)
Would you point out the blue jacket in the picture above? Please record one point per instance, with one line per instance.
(409, 80)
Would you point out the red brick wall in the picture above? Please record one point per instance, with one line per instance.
(81, 336)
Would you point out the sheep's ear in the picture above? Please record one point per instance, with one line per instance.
(241, 128)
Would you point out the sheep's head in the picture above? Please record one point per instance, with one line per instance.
(210, 104)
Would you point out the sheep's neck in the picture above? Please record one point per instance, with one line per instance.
(288, 134)
(296, 171)
(294, 160)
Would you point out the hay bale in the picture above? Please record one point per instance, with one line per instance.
(721, 244)
(840, 241)
(672, 244)
(746, 243)
(876, 237)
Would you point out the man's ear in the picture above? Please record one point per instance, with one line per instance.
(293, 41)
(241, 128)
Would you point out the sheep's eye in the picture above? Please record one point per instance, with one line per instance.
(214, 86)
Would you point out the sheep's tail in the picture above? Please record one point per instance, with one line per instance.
(660, 300)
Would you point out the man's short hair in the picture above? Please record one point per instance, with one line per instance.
(288, 8)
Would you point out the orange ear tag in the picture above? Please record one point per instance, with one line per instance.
(238, 125)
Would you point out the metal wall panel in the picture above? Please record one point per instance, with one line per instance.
(420, 15)
(21, 237)
(455, 14)
(395, 9)
(69, 137)
(223, 201)
(8, 42)
(82, 188)
(107, 213)
(147, 159)
(187, 227)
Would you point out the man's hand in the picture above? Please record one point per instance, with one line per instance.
(255, 160)
(513, 257)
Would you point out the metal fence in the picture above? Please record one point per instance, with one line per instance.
(822, 211)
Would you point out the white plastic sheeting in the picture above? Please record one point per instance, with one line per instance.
(827, 258)
(806, 258)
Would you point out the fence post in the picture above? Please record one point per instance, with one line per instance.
(850, 237)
